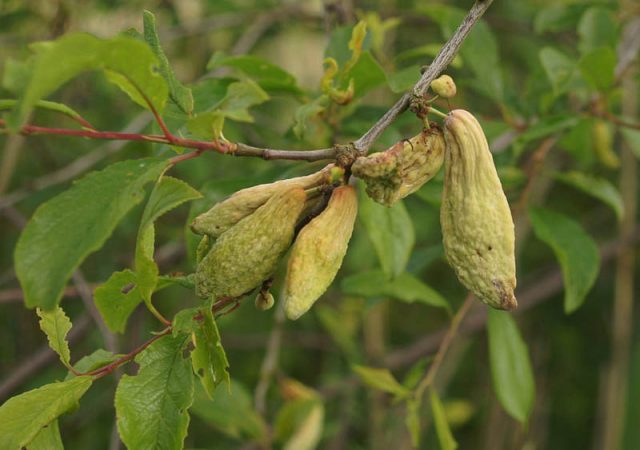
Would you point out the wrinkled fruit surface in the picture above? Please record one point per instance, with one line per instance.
(477, 227)
(248, 252)
(318, 252)
(403, 169)
(230, 211)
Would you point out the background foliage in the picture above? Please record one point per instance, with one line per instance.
(554, 88)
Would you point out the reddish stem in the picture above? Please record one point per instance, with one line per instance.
(201, 146)
(105, 370)
(84, 122)
(163, 126)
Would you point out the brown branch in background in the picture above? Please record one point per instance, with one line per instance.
(535, 291)
(374, 336)
(616, 120)
(270, 360)
(427, 380)
(622, 319)
(629, 47)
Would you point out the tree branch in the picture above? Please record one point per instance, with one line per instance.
(362, 145)
(444, 346)
(439, 64)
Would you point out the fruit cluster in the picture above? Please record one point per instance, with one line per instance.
(246, 235)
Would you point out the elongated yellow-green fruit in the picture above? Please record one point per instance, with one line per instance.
(318, 251)
(249, 252)
(403, 169)
(603, 144)
(230, 211)
(477, 227)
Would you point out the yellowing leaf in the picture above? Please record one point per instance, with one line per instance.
(55, 324)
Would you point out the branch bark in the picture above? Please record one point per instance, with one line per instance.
(362, 145)
(439, 64)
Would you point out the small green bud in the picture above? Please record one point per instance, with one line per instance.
(444, 86)
(264, 300)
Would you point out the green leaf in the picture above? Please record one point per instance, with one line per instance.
(93, 361)
(391, 233)
(575, 250)
(207, 125)
(307, 113)
(445, 438)
(578, 142)
(597, 28)
(151, 407)
(560, 69)
(599, 188)
(208, 358)
(269, 77)
(338, 47)
(415, 373)
(23, 416)
(543, 128)
(44, 104)
(381, 379)
(431, 50)
(55, 324)
(117, 299)
(48, 438)
(338, 325)
(239, 97)
(16, 74)
(167, 194)
(184, 322)
(74, 224)
(127, 62)
(231, 411)
(558, 17)
(510, 366)
(366, 74)
(598, 68)
(405, 287)
(180, 94)
(242, 95)
(403, 79)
